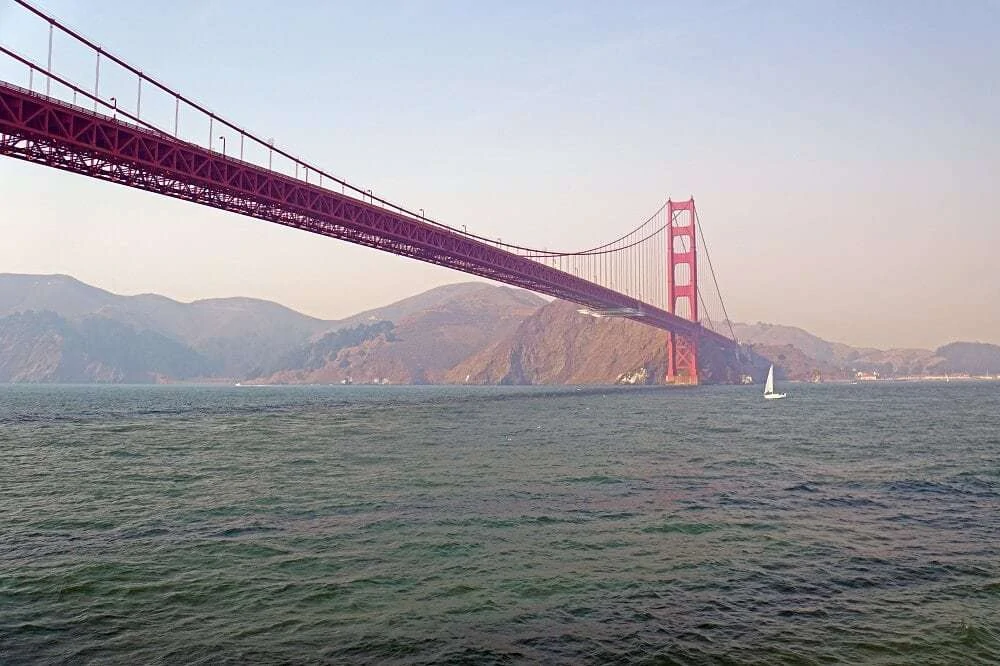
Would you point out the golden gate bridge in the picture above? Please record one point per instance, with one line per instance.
(151, 137)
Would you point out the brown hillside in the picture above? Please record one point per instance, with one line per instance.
(558, 345)
(424, 345)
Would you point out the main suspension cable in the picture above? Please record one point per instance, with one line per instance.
(711, 269)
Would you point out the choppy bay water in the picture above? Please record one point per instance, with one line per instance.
(410, 525)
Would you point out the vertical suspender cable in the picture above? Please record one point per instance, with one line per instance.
(97, 80)
(48, 79)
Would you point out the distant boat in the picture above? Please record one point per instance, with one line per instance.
(769, 386)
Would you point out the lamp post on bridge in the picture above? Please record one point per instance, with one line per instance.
(223, 140)
(114, 111)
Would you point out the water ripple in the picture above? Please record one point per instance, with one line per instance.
(504, 525)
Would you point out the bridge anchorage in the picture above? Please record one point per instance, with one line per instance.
(113, 132)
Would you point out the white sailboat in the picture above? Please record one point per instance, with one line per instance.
(769, 386)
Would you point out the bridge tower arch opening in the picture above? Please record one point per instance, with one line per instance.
(682, 290)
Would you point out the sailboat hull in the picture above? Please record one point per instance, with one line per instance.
(774, 396)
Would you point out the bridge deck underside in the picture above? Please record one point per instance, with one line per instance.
(50, 132)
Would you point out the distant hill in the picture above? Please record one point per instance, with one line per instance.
(238, 336)
(429, 300)
(790, 362)
(558, 345)
(801, 355)
(242, 337)
(421, 346)
(44, 347)
(66, 296)
(775, 335)
(56, 328)
(975, 358)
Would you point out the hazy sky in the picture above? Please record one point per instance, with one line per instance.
(844, 156)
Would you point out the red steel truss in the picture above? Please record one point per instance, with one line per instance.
(682, 288)
(47, 131)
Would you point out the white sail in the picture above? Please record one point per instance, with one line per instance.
(769, 386)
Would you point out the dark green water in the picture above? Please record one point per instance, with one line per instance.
(846, 524)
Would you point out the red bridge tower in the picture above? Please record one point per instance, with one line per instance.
(682, 291)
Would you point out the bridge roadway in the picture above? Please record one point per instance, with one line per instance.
(57, 134)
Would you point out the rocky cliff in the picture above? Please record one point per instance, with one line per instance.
(421, 347)
(559, 345)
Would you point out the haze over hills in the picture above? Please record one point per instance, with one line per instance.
(45, 347)
(233, 335)
(54, 328)
(418, 346)
(801, 355)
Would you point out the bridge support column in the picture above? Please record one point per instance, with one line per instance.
(682, 359)
(682, 291)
